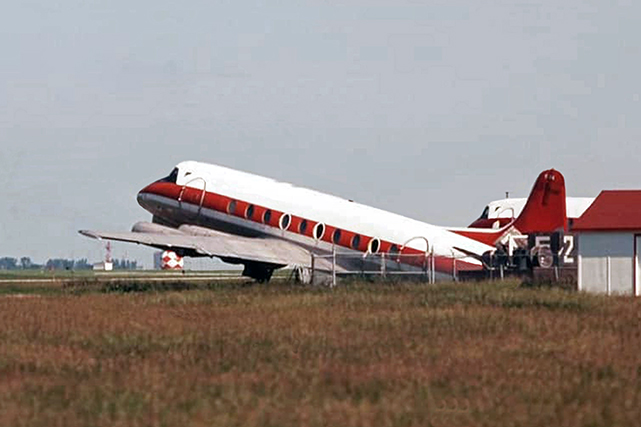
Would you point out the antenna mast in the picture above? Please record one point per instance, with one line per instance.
(108, 254)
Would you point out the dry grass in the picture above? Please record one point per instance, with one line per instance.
(360, 355)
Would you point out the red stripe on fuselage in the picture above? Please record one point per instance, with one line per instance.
(222, 204)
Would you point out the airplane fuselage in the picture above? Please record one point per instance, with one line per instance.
(240, 203)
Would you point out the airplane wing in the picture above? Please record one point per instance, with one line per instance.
(228, 247)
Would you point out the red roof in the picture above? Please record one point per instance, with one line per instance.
(613, 210)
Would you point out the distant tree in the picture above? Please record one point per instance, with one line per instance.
(125, 264)
(82, 264)
(25, 263)
(8, 263)
(59, 264)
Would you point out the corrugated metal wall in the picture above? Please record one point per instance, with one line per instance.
(606, 263)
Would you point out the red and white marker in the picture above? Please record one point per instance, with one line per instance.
(171, 261)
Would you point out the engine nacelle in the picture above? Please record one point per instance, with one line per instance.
(194, 230)
(148, 227)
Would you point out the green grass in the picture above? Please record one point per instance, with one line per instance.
(362, 354)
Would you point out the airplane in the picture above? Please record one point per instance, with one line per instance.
(499, 213)
(204, 210)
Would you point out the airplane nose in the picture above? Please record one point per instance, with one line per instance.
(155, 193)
(143, 195)
(144, 190)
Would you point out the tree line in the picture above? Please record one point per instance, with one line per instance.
(25, 263)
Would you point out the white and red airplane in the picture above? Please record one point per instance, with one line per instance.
(213, 211)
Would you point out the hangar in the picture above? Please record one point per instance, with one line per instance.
(609, 244)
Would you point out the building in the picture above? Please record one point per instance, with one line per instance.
(104, 266)
(609, 242)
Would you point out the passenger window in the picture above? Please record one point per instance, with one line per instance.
(249, 213)
(284, 222)
(374, 245)
(319, 231)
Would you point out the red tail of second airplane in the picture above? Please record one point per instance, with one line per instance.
(544, 211)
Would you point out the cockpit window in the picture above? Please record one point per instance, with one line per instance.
(486, 213)
(173, 177)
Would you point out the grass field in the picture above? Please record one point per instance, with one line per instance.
(285, 355)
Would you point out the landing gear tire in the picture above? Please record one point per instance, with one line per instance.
(260, 272)
(544, 257)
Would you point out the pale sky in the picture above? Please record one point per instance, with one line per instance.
(429, 109)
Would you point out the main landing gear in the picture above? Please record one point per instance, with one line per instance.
(259, 271)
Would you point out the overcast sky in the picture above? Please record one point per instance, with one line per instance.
(427, 108)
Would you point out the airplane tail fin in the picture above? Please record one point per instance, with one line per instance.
(545, 209)
(544, 212)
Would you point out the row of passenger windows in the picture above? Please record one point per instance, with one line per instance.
(318, 231)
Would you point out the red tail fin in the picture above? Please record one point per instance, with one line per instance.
(544, 211)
